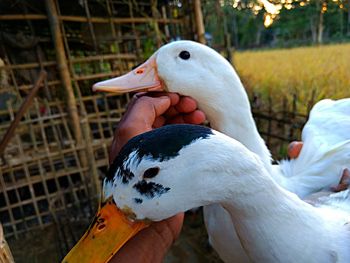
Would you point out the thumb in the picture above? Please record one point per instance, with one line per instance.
(159, 104)
(139, 118)
(146, 109)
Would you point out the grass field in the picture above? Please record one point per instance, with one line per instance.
(324, 70)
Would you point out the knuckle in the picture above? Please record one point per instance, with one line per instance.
(144, 99)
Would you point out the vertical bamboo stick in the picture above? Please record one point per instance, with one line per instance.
(136, 34)
(84, 122)
(5, 252)
(67, 82)
(63, 69)
(91, 26)
(155, 15)
(199, 21)
(166, 26)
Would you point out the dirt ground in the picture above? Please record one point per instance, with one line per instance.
(48, 244)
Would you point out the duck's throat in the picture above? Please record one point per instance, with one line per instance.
(276, 226)
(236, 120)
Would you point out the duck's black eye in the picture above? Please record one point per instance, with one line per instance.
(151, 172)
(185, 55)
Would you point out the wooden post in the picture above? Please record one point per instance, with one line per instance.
(348, 22)
(28, 100)
(5, 252)
(166, 27)
(155, 16)
(136, 35)
(67, 83)
(199, 21)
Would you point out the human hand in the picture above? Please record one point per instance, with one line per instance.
(294, 149)
(153, 110)
(145, 112)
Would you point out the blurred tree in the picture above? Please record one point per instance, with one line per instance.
(287, 22)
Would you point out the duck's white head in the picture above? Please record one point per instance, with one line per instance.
(166, 171)
(195, 70)
(173, 169)
(188, 68)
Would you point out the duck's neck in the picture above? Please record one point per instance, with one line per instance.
(232, 116)
(274, 225)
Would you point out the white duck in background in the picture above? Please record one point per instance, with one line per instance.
(154, 180)
(195, 70)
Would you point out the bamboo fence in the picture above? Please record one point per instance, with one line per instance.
(280, 122)
(51, 168)
(57, 153)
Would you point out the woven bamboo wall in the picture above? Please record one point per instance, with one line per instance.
(52, 163)
(279, 122)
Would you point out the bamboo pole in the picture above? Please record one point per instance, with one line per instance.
(133, 26)
(5, 252)
(199, 21)
(125, 56)
(23, 17)
(22, 110)
(126, 20)
(63, 67)
(89, 155)
(166, 27)
(155, 15)
(91, 26)
(65, 77)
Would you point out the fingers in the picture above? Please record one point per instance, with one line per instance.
(153, 110)
(181, 110)
(149, 108)
(196, 117)
(174, 97)
(185, 111)
(344, 182)
(294, 149)
(141, 116)
(186, 105)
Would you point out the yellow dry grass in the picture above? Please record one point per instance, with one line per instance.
(324, 70)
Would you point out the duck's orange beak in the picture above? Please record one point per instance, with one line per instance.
(109, 231)
(143, 78)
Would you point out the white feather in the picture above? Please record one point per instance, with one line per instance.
(212, 81)
(270, 223)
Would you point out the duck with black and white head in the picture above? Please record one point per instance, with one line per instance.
(178, 167)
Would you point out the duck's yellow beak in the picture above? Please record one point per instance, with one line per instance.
(143, 78)
(108, 232)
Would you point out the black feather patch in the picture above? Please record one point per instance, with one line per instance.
(150, 189)
(161, 144)
(138, 200)
(127, 175)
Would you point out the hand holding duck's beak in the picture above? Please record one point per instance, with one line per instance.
(110, 229)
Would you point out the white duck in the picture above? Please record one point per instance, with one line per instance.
(154, 180)
(198, 71)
